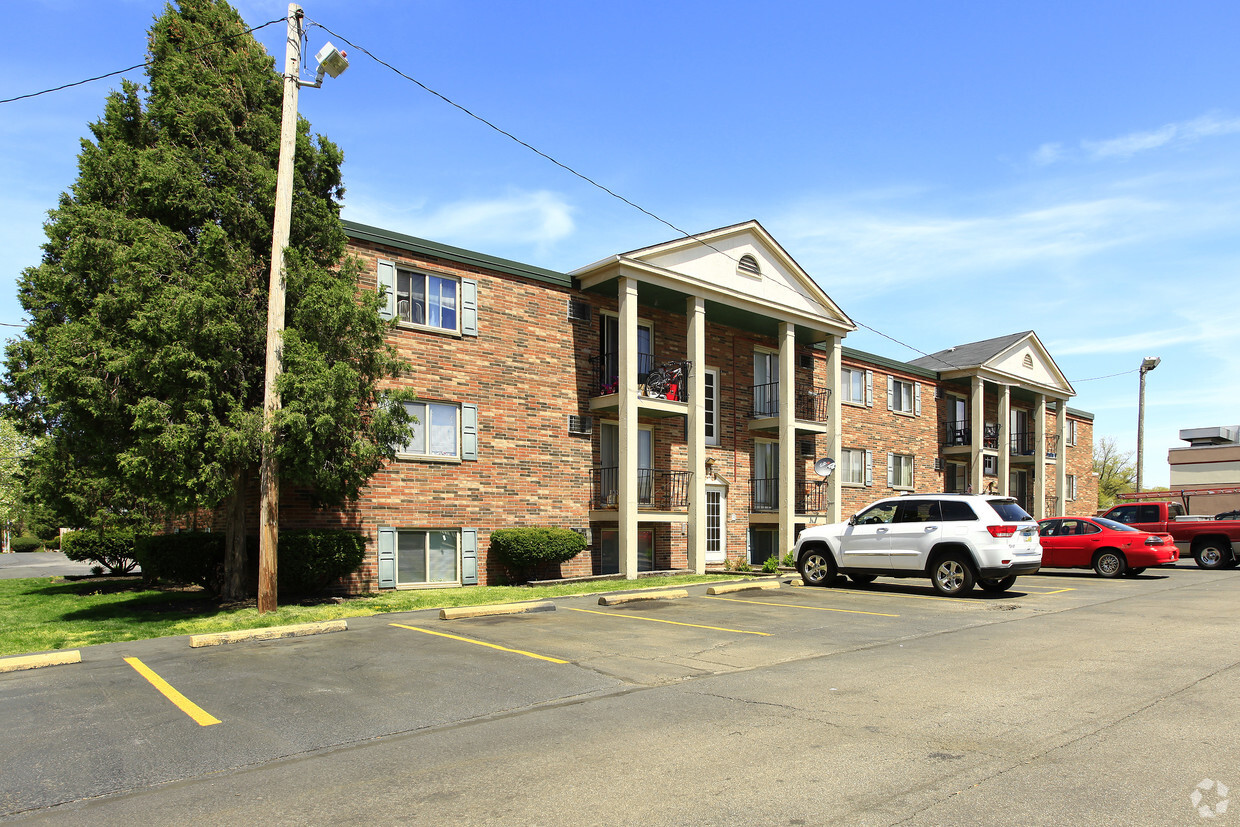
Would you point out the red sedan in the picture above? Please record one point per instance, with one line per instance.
(1110, 548)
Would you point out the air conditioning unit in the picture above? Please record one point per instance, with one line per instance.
(580, 424)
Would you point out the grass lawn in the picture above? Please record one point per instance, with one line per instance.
(45, 613)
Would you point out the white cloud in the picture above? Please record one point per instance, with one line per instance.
(530, 218)
(1126, 146)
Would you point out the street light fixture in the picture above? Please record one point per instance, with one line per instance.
(331, 62)
(1147, 365)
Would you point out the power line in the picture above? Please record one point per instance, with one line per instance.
(136, 65)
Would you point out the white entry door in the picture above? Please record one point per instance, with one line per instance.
(716, 528)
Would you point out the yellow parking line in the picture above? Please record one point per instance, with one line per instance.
(898, 594)
(187, 706)
(479, 643)
(794, 606)
(673, 622)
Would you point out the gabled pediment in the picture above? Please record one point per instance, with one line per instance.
(741, 266)
(1019, 359)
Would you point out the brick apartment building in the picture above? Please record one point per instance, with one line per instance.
(670, 403)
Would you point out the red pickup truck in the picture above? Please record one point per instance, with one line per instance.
(1213, 543)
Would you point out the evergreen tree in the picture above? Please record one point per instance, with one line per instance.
(144, 358)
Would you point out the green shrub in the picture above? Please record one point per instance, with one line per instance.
(771, 565)
(789, 561)
(26, 542)
(523, 550)
(52, 544)
(114, 550)
(743, 565)
(193, 557)
(309, 561)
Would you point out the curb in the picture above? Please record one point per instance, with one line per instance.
(498, 609)
(38, 661)
(269, 633)
(616, 599)
(744, 587)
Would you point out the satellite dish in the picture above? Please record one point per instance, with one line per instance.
(824, 467)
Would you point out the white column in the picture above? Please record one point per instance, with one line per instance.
(1061, 458)
(787, 438)
(977, 428)
(627, 516)
(695, 310)
(835, 428)
(1039, 456)
(1004, 466)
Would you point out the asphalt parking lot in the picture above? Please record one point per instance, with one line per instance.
(1060, 701)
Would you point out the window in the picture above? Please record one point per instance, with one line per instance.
(763, 545)
(427, 557)
(903, 397)
(852, 385)
(710, 378)
(765, 383)
(442, 430)
(956, 511)
(955, 480)
(1070, 487)
(900, 470)
(990, 465)
(426, 300)
(855, 466)
(1070, 432)
(765, 476)
(609, 347)
(609, 551)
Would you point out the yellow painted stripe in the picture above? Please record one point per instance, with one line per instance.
(478, 643)
(1057, 591)
(183, 703)
(673, 622)
(794, 606)
(898, 594)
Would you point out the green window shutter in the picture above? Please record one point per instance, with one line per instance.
(891, 393)
(387, 287)
(469, 556)
(917, 399)
(869, 468)
(469, 307)
(469, 432)
(387, 558)
(891, 471)
(869, 388)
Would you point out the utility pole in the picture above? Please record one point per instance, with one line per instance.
(330, 62)
(1147, 365)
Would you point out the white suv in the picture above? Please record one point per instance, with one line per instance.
(954, 539)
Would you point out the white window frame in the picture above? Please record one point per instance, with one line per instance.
(858, 463)
(896, 398)
(425, 413)
(897, 465)
(428, 583)
(1070, 487)
(850, 379)
(1070, 429)
(990, 465)
(405, 277)
(711, 387)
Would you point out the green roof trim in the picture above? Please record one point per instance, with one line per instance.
(412, 244)
(884, 362)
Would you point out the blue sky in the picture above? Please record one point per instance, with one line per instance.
(947, 172)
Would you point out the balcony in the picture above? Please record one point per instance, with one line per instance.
(657, 489)
(1021, 444)
(811, 496)
(659, 383)
(1052, 446)
(810, 408)
(958, 434)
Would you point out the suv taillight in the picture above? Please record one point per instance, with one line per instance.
(1001, 530)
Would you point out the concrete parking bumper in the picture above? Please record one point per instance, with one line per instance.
(460, 612)
(269, 633)
(37, 661)
(729, 588)
(617, 599)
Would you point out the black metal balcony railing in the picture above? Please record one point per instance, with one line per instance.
(1052, 446)
(808, 404)
(765, 494)
(657, 489)
(1021, 443)
(811, 496)
(959, 433)
(664, 380)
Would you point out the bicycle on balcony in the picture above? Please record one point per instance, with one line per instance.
(666, 381)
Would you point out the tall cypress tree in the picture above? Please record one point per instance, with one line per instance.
(143, 362)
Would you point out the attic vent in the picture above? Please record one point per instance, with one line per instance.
(579, 310)
(749, 265)
(938, 392)
(1028, 362)
(580, 424)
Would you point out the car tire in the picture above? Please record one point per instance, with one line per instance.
(1133, 572)
(1211, 554)
(996, 585)
(1109, 563)
(816, 567)
(952, 575)
(862, 579)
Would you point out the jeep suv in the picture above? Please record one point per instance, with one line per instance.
(954, 539)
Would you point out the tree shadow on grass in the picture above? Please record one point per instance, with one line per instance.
(147, 604)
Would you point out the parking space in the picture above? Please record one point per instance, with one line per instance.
(142, 713)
